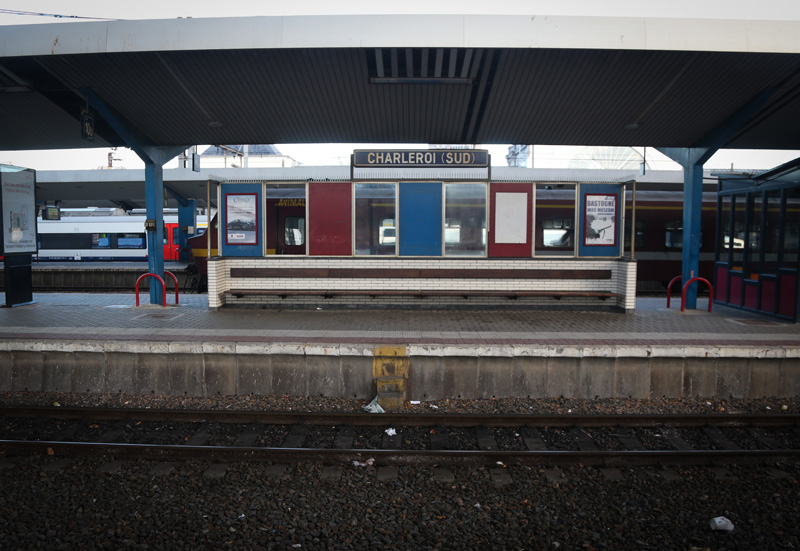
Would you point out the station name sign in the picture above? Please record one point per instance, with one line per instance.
(421, 158)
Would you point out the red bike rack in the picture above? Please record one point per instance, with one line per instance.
(175, 279)
(710, 292)
(669, 287)
(163, 288)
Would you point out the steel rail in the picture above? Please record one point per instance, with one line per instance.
(397, 457)
(403, 419)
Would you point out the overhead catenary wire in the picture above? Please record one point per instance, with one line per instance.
(56, 15)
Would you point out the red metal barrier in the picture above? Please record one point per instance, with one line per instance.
(175, 279)
(710, 292)
(669, 287)
(163, 288)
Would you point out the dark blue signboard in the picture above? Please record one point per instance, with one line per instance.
(422, 158)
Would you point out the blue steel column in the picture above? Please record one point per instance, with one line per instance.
(692, 227)
(154, 158)
(186, 217)
(692, 161)
(154, 192)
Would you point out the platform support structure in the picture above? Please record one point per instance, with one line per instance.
(154, 158)
(187, 217)
(692, 160)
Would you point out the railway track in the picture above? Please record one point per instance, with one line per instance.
(397, 439)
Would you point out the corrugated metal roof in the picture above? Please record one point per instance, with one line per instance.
(435, 93)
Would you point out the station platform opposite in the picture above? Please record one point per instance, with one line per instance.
(103, 343)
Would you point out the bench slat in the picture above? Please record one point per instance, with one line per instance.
(412, 273)
(417, 293)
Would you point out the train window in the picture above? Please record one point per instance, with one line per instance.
(673, 232)
(61, 241)
(639, 236)
(131, 241)
(375, 211)
(294, 231)
(465, 219)
(555, 215)
(557, 232)
(101, 241)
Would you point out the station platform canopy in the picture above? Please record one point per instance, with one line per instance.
(446, 79)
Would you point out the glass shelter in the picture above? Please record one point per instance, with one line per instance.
(758, 237)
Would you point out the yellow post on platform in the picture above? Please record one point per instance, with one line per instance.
(390, 367)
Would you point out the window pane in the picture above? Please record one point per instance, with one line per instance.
(375, 219)
(639, 236)
(772, 236)
(725, 224)
(465, 219)
(555, 212)
(754, 238)
(101, 241)
(791, 239)
(285, 219)
(131, 241)
(294, 231)
(673, 234)
(739, 204)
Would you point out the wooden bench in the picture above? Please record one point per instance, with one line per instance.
(419, 293)
(423, 273)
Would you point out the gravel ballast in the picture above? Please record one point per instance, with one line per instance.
(56, 503)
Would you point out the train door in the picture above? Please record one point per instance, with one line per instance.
(170, 241)
(286, 219)
(511, 223)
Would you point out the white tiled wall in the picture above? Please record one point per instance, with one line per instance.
(623, 281)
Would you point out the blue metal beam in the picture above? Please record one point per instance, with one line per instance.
(187, 217)
(154, 158)
(692, 160)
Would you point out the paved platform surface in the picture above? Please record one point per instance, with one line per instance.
(81, 317)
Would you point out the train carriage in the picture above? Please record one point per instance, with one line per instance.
(98, 234)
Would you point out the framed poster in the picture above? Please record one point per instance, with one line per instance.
(241, 217)
(18, 204)
(600, 226)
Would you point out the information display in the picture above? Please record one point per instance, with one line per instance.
(18, 204)
(241, 215)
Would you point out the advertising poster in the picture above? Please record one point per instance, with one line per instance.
(19, 212)
(600, 229)
(241, 215)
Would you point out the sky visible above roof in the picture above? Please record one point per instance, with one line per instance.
(20, 12)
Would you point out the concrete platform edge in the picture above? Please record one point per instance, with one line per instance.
(436, 372)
